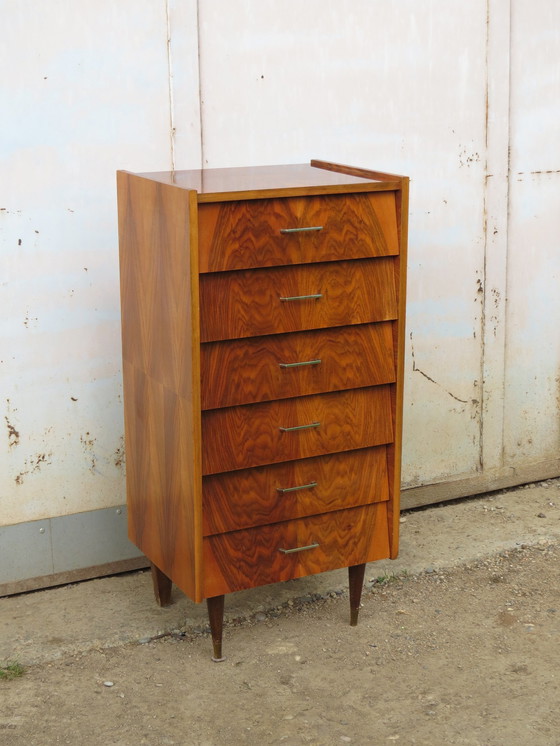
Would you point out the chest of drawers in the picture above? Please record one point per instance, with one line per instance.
(263, 329)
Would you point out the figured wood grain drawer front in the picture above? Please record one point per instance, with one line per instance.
(296, 230)
(285, 365)
(243, 559)
(256, 302)
(268, 494)
(269, 433)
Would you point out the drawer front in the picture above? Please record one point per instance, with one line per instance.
(243, 559)
(269, 433)
(296, 230)
(286, 365)
(285, 299)
(269, 494)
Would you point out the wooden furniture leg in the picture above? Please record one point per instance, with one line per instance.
(162, 586)
(216, 618)
(355, 582)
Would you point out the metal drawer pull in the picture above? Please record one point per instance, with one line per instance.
(298, 427)
(298, 365)
(298, 549)
(315, 296)
(302, 230)
(299, 487)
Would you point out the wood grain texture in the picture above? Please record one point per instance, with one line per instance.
(246, 234)
(247, 303)
(248, 370)
(355, 585)
(364, 173)
(250, 497)
(402, 212)
(215, 606)
(162, 586)
(244, 559)
(397, 393)
(250, 435)
(203, 473)
(260, 182)
(161, 372)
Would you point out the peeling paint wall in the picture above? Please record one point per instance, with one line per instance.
(463, 97)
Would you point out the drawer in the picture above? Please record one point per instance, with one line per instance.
(272, 432)
(252, 303)
(284, 365)
(296, 230)
(243, 559)
(269, 494)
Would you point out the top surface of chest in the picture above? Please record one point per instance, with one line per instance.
(257, 182)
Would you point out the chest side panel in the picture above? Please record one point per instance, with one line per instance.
(159, 302)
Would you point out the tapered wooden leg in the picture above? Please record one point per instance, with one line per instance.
(216, 618)
(355, 582)
(162, 586)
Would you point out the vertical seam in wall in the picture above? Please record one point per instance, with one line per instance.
(500, 7)
(485, 235)
(508, 212)
(200, 101)
(170, 85)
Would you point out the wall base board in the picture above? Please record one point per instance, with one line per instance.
(65, 549)
(73, 576)
(487, 481)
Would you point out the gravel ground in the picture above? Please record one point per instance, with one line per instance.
(460, 647)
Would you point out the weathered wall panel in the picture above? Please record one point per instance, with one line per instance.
(463, 97)
(85, 90)
(395, 86)
(532, 394)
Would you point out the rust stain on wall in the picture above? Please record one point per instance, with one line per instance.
(466, 158)
(33, 465)
(88, 442)
(538, 173)
(119, 454)
(13, 434)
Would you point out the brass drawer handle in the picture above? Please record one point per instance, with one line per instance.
(314, 296)
(298, 365)
(295, 489)
(302, 230)
(299, 427)
(298, 549)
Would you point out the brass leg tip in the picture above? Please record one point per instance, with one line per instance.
(354, 617)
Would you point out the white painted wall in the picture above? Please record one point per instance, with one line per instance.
(532, 380)
(438, 90)
(85, 90)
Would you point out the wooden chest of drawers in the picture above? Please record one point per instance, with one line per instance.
(263, 329)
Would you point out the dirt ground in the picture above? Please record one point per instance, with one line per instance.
(469, 655)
